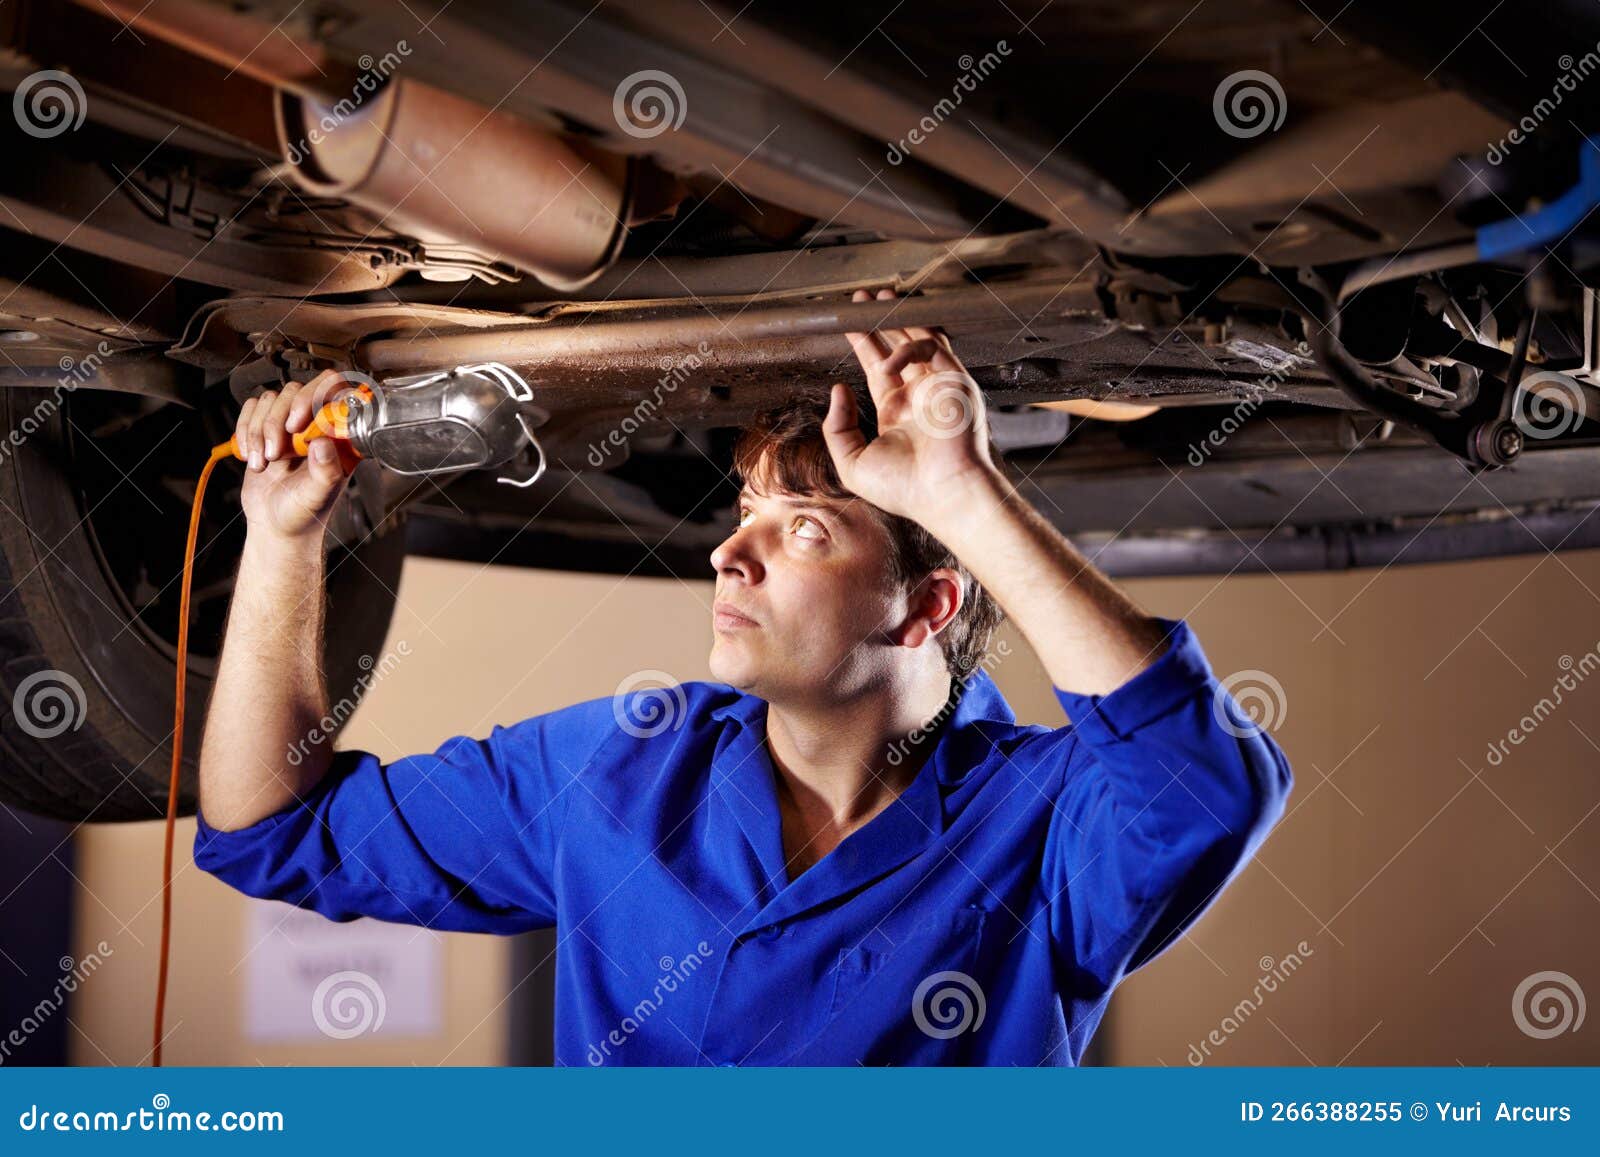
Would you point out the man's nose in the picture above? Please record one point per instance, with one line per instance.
(736, 557)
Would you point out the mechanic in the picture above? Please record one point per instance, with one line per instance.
(846, 850)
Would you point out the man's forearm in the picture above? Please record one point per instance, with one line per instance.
(1089, 635)
(270, 692)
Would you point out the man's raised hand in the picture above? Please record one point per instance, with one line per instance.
(933, 431)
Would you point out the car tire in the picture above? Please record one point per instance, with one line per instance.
(87, 707)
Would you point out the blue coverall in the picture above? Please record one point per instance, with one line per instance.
(983, 917)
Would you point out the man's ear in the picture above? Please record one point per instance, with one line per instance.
(935, 601)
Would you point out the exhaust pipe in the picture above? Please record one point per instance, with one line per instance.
(454, 175)
(465, 180)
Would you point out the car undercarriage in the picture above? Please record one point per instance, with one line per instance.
(1244, 289)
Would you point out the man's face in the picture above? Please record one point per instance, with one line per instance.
(805, 596)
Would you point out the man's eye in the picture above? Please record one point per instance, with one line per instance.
(807, 528)
(744, 517)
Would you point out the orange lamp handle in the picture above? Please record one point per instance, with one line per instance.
(332, 421)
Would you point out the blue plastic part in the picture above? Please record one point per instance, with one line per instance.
(1552, 222)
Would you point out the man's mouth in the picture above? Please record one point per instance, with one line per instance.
(726, 618)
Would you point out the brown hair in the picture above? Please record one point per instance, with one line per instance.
(783, 449)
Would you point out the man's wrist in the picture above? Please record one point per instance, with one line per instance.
(968, 504)
(274, 547)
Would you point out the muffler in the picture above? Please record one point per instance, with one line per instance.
(456, 176)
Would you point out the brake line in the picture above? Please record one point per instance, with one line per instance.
(333, 421)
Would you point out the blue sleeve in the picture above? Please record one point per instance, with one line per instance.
(1168, 789)
(463, 839)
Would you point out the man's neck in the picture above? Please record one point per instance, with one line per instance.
(840, 764)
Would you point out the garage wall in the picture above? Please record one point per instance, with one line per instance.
(1424, 883)
(1428, 881)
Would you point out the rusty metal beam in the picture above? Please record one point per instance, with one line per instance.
(285, 55)
(600, 339)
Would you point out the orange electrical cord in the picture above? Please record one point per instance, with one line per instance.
(332, 421)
